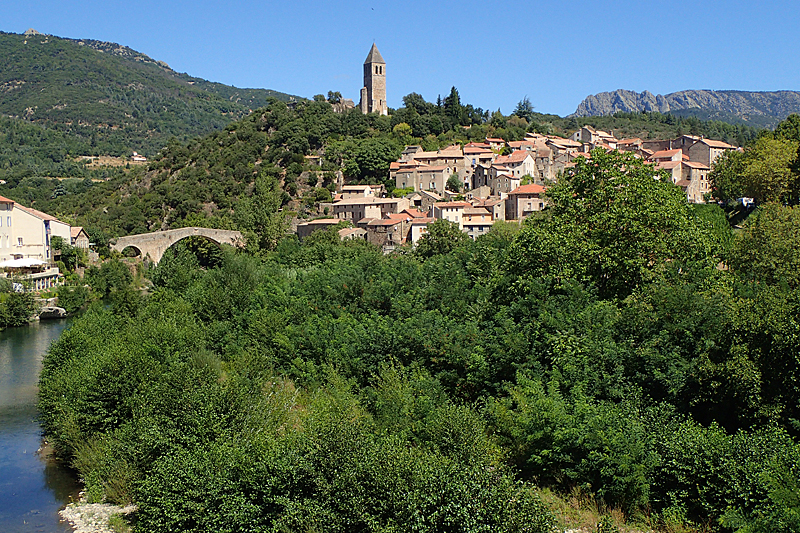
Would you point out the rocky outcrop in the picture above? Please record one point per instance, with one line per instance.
(755, 108)
(52, 312)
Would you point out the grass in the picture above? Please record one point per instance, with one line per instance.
(119, 523)
(580, 511)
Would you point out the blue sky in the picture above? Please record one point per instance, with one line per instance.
(495, 53)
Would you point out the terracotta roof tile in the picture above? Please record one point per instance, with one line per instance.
(531, 188)
(515, 157)
(38, 214)
(716, 144)
(414, 213)
(662, 154)
(383, 222)
(452, 204)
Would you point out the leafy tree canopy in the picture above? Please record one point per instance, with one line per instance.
(614, 221)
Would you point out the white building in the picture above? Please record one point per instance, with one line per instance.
(26, 233)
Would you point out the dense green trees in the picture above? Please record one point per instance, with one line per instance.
(768, 170)
(16, 308)
(620, 343)
(326, 383)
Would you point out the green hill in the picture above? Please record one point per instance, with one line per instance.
(111, 97)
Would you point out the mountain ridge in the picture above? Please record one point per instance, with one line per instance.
(754, 108)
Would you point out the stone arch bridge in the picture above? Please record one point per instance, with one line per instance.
(156, 243)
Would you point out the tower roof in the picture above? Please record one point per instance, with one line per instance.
(374, 56)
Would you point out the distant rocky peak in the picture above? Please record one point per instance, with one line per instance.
(754, 108)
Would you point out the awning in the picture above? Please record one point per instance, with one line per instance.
(25, 262)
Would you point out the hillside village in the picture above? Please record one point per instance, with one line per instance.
(502, 181)
(472, 185)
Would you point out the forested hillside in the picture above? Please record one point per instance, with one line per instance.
(112, 98)
(599, 351)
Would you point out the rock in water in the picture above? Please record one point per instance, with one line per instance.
(52, 312)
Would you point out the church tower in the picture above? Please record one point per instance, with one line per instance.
(373, 94)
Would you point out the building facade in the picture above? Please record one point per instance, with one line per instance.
(25, 233)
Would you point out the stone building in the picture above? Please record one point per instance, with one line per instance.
(523, 201)
(373, 94)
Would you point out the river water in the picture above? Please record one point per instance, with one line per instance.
(33, 487)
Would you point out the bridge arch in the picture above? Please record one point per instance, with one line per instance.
(155, 244)
(133, 247)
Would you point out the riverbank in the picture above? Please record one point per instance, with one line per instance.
(96, 517)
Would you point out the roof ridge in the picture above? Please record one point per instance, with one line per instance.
(374, 56)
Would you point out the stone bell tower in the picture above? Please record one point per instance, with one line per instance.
(373, 94)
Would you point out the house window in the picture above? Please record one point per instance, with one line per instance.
(8, 220)
(19, 241)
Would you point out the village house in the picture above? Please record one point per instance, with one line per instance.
(495, 205)
(691, 176)
(502, 181)
(524, 200)
(451, 156)
(519, 163)
(27, 233)
(408, 154)
(352, 234)
(589, 135)
(452, 211)
(355, 209)
(394, 229)
(25, 243)
(79, 238)
(706, 151)
(481, 176)
(479, 193)
(526, 144)
(307, 228)
(361, 191)
(419, 227)
(479, 154)
(388, 233)
(560, 146)
(423, 177)
(423, 200)
(695, 180)
(476, 221)
(496, 143)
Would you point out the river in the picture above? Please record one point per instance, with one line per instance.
(33, 487)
